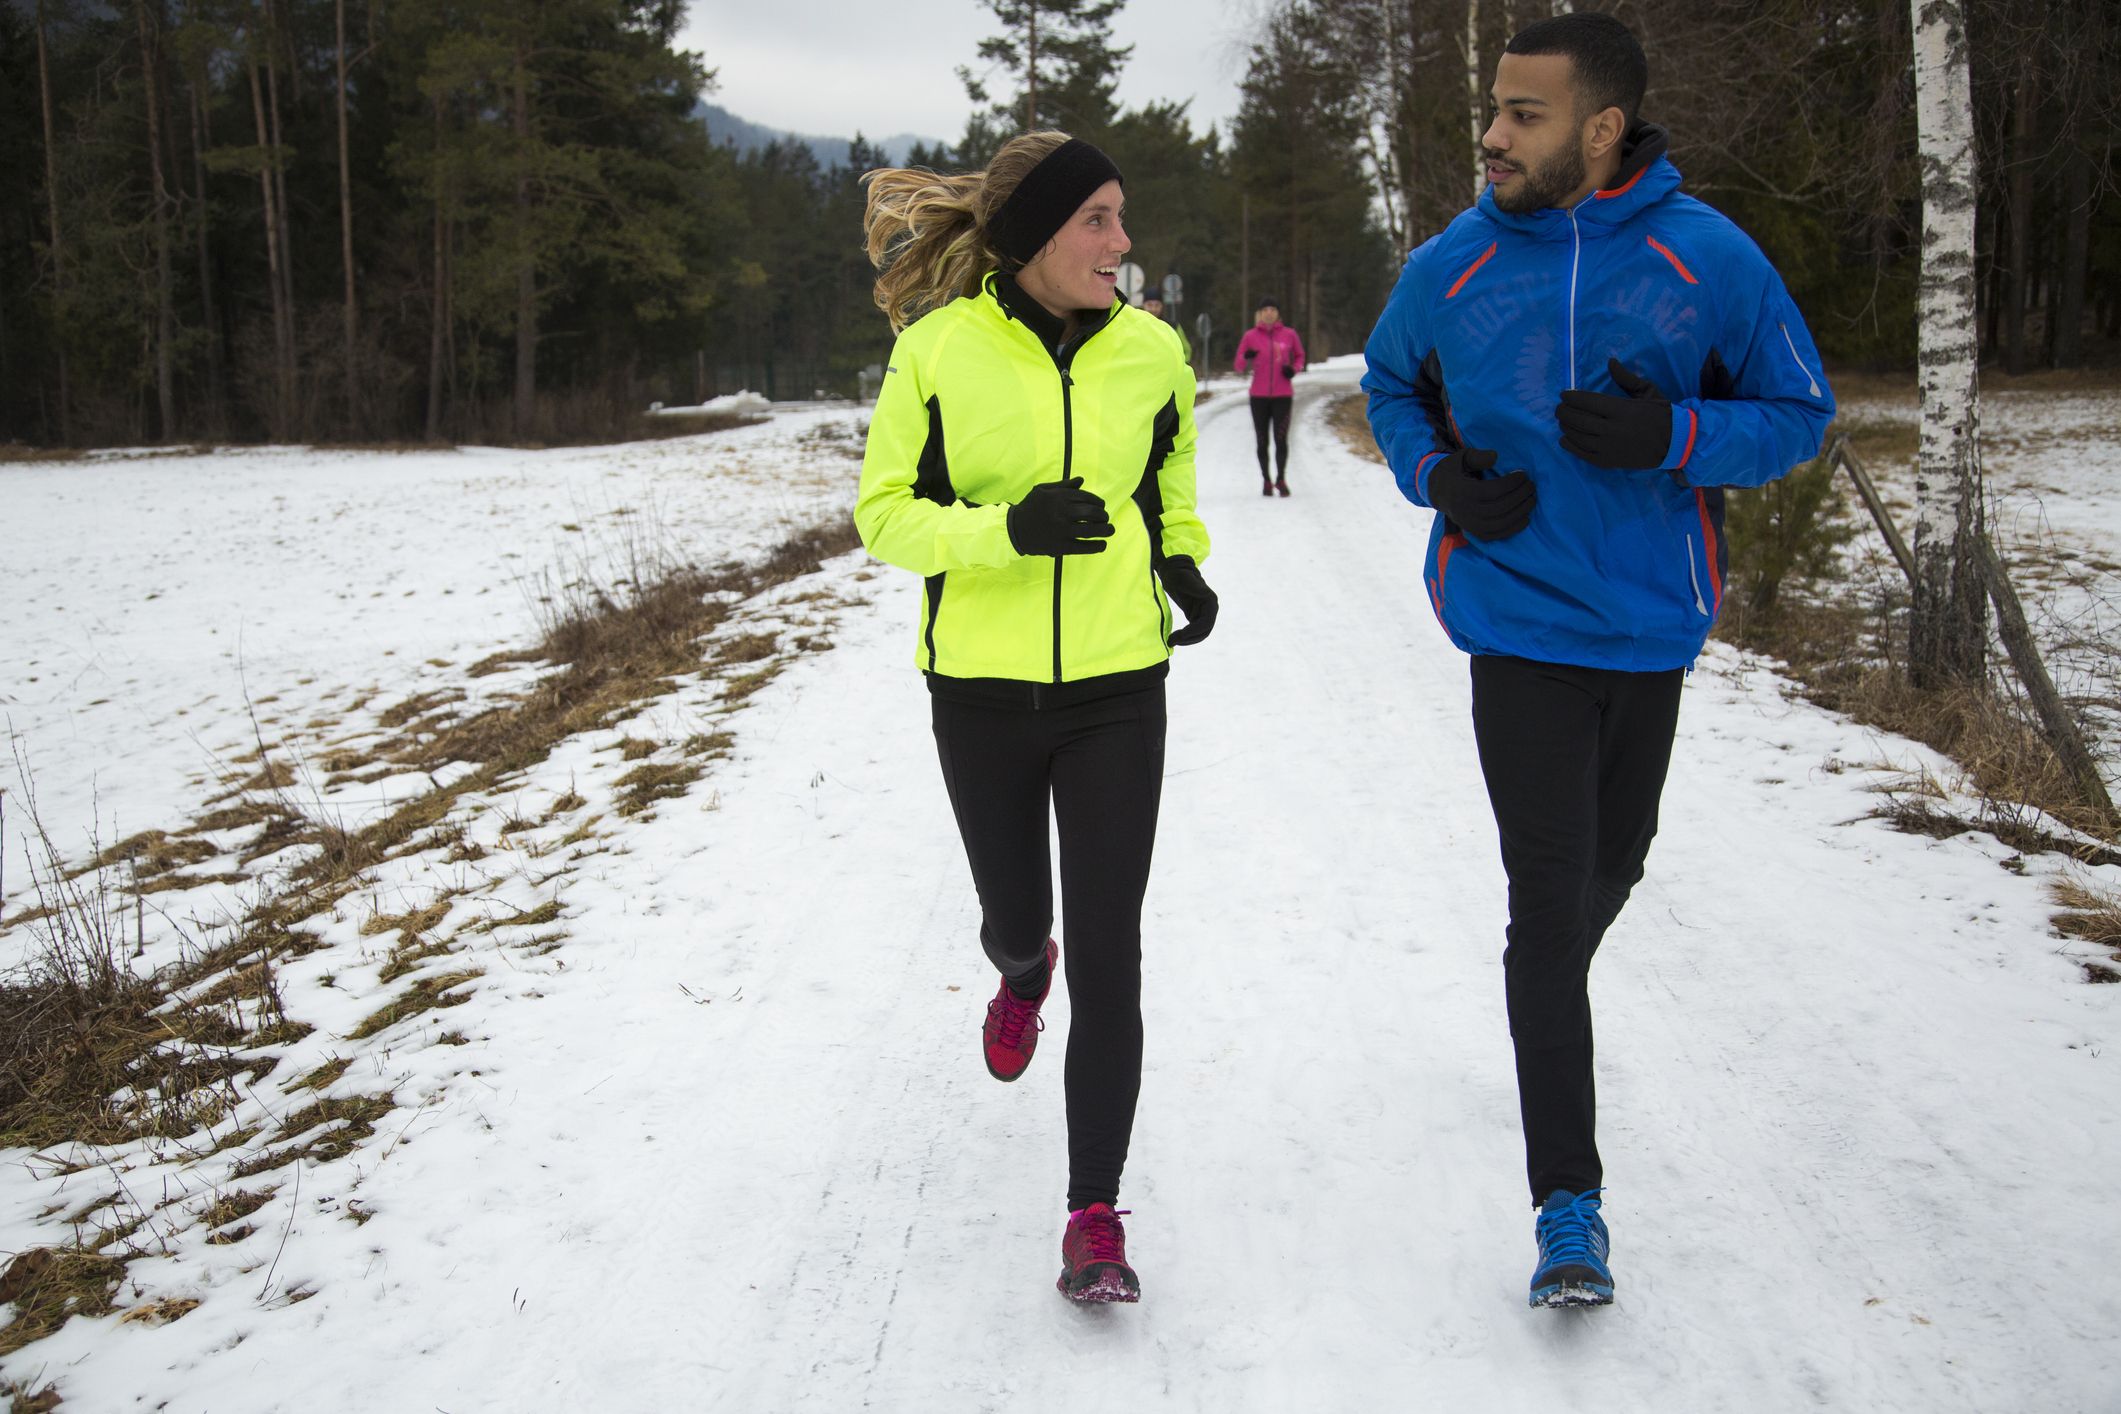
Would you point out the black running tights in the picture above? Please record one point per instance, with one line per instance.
(1101, 765)
(1272, 412)
(1575, 762)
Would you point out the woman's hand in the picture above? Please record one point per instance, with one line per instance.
(1059, 518)
(1190, 592)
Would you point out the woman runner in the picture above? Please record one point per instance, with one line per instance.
(1274, 353)
(1031, 457)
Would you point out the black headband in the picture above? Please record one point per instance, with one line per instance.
(1048, 195)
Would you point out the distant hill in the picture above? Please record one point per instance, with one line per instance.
(725, 127)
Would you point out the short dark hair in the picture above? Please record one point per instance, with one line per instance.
(1606, 58)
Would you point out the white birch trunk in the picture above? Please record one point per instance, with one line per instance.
(1949, 635)
(1475, 109)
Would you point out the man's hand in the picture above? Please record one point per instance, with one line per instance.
(1059, 518)
(1190, 592)
(1633, 433)
(1484, 507)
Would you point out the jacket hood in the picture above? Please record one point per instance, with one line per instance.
(1646, 176)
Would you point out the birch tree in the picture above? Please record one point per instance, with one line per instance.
(1948, 638)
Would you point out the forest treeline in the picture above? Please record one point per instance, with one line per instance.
(486, 220)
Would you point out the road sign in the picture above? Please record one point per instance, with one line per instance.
(1130, 281)
(1174, 290)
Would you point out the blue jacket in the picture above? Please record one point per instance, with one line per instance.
(1493, 318)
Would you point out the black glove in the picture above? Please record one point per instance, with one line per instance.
(1190, 592)
(1484, 507)
(1288, 370)
(1248, 355)
(1059, 518)
(1633, 433)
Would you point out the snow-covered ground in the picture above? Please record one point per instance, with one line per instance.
(719, 1137)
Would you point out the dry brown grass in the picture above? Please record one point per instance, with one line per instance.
(2093, 915)
(48, 1286)
(1347, 417)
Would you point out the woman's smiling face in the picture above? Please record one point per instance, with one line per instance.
(1079, 268)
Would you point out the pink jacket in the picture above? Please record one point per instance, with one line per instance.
(1268, 349)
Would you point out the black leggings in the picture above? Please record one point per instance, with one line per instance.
(1575, 762)
(1101, 764)
(1273, 411)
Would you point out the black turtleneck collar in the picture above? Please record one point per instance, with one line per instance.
(1644, 144)
(1049, 328)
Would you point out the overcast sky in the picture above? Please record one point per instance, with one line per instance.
(830, 67)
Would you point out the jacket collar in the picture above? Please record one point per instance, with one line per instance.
(1044, 325)
(1646, 177)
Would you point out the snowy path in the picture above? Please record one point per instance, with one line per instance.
(1857, 1105)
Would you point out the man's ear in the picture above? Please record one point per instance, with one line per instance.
(1604, 132)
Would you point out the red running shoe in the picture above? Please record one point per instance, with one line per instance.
(1011, 1032)
(1281, 487)
(1094, 1257)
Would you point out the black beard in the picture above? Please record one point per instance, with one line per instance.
(1546, 186)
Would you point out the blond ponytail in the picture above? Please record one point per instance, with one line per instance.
(927, 232)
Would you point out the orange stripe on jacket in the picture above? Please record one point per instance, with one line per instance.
(1443, 564)
(1453, 291)
(1622, 189)
(1677, 264)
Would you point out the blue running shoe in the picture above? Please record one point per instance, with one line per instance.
(1572, 1252)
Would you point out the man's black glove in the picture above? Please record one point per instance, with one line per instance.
(1190, 592)
(1633, 433)
(1484, 507)
(1288, 370)
(1059, 518)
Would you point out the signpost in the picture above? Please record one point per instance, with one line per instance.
(1131, 280)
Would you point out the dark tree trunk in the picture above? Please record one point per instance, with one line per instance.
(2021, 224)
(279, 174)
(282, 418)
(2076, 259)
(353, 409)
(165, 315)
(526, 261)
(438, 302)
(216, 373)
(51, 196)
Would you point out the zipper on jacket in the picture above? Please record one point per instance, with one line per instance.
(1067, 464)
(1575, 260)
(1694, 580)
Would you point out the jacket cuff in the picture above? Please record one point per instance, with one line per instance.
(1418, 492)
(1686, 430)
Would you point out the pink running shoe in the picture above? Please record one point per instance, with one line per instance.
(1011, 1032)
(1094, 1257)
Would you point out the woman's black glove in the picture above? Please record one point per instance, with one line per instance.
(1190, 592)
(1633, 433)
(1288, 370)
(1059, 518)
(1484, 507)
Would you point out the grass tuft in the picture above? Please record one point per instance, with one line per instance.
(47, 1286)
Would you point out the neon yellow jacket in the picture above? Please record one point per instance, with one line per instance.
(974, 411)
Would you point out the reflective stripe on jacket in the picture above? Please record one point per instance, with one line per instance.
(1494, 317)
(974, 411)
